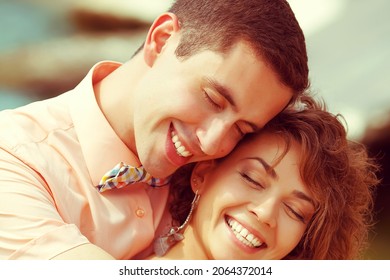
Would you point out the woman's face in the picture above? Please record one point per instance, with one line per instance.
(247, 210)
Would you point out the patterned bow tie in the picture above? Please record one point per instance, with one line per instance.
(122, 175)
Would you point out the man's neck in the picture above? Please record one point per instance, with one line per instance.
(114, 95)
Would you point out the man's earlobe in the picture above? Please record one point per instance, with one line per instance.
(159, 34)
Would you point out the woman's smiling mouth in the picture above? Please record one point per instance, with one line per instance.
(243, 234)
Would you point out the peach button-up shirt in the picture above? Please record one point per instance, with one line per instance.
(52, 155)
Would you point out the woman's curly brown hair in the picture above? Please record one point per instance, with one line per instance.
(337, 171)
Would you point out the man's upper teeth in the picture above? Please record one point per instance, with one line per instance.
(180, 149)
(243, 234)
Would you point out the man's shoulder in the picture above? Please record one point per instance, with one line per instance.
(35, 121)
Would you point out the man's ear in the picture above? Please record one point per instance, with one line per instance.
(199, 173)
(163, 27)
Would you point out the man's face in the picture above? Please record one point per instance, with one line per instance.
(199, 108)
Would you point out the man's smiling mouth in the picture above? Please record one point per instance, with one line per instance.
(180, 149)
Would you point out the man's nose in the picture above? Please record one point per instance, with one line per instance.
(213, 136)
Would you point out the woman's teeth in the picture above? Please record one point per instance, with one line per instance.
(180, 149)
(243, 235)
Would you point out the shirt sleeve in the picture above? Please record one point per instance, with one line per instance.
(31, 227)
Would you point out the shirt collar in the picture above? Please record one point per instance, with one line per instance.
(101, 146)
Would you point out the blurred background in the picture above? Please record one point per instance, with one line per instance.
(47, 47)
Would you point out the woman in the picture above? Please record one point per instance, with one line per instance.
(297, 190)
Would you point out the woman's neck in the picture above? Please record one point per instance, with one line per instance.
(189, 248)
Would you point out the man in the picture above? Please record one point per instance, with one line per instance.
(209, 72)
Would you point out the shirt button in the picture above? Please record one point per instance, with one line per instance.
(140, 213)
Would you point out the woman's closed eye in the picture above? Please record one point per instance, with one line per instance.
(295, 214)
(250, 180)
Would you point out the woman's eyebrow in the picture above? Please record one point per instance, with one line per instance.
(266, 166)
(303, 196)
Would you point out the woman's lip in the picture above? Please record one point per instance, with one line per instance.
(241, 245)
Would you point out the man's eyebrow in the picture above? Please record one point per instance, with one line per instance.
(227, 94)
(266, 166)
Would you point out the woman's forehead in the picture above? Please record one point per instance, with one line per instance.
(260, 142)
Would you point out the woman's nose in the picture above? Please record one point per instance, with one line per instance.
(267, 212)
